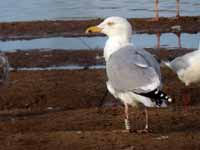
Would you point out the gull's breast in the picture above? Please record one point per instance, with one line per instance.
(191, 74)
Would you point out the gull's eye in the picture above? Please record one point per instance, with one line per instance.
(110, 23)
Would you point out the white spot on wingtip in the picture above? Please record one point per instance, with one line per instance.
(169, 99)
(156, 92)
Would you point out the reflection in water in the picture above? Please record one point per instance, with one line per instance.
(179, 39)
(178, 35)
(158, 39)
(67, 67)
(168, 40)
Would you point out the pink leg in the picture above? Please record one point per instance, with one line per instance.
(126, 120)
(146, 119)
(146, 128)
(186, 99)
(127, 123)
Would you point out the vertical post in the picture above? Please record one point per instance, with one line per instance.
(177, 9)
(156, 10)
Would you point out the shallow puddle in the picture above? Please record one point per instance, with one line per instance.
(67, 67)
(167, 40)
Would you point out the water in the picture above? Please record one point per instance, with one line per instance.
(167, 40)
(26, 10)
(67, 67)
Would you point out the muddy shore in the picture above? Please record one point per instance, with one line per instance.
(36, 29)
(42, 89)
(57, 109)
(61, 57)
(52, 110)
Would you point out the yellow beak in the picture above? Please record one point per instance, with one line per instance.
(93, 29)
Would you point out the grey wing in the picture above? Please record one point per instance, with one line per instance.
(150, 60)
(129, 71)
(183, 62)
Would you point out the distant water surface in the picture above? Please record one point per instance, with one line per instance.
(26, 10)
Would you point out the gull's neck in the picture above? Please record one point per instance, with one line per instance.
(113, 44)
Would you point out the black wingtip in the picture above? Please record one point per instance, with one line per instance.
(158, 96)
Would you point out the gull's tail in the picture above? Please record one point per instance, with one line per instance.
(158, 96)
(167, 63)
(199, 45)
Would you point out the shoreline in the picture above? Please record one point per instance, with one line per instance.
(62, 57)
(75, 28)
(58, 109)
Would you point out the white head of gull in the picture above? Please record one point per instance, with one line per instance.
(119, 32)
(133, 74)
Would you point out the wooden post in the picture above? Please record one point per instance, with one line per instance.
(177, 9)
(156, 10)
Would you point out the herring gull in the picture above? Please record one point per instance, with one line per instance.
(133, 74)
(187, 68)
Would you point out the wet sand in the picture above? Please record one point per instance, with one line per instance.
(61, 57)
(58, 110)
(36, 29)
(81, 88)
(52, 110)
